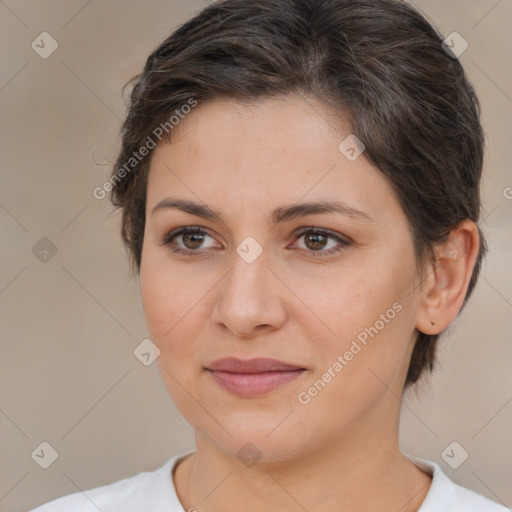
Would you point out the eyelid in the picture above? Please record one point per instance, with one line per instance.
(182, 230)
(342, 240)
(324, 231)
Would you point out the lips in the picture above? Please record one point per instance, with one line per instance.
(253, 378)
(258, 365)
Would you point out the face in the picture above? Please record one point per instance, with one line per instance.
(331, 293)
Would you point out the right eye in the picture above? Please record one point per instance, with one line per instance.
(191, 238)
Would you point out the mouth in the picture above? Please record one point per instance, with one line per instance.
(253, 378)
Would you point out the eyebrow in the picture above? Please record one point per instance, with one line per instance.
(279, 215)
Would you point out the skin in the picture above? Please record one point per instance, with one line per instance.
(340, 451)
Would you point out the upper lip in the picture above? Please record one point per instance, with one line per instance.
(257, 365)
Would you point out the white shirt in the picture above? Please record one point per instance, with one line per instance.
(154, 491)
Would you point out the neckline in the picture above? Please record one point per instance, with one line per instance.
(427, 466)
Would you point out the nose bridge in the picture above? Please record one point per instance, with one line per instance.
(248, 299)
(250, 267)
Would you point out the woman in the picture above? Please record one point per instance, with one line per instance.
(299, 182)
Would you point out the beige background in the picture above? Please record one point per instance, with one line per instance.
(69, 326)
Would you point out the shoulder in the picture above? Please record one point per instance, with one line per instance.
(148, 490)
(445, 495)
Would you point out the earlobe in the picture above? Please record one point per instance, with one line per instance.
(449, 278)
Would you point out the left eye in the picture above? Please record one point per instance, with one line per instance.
(316, 239)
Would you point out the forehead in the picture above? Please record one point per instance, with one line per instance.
(270, 152)
(285, 123)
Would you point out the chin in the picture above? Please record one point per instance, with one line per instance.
(259, 439)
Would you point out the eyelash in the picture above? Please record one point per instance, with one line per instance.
(317, 231)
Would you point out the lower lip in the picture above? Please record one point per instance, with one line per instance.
(251, 385)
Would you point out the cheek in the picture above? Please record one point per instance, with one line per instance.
(163, 305)
(172, 305)
(360, 365)
(175, 305)
(342, 304)
(165, 294)
(156, 303)
(364, 317)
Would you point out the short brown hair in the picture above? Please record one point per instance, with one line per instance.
(377, 62)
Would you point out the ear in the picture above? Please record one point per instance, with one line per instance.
(447, 280)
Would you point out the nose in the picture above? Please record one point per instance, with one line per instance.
(250, 299)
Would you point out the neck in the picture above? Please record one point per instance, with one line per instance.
(348, 474)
